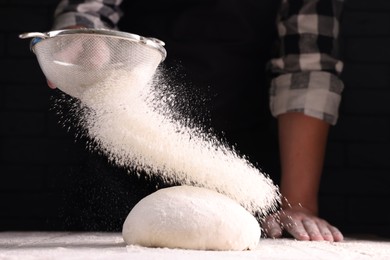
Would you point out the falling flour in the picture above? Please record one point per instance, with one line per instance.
(132, 125)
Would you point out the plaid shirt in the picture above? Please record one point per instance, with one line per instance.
(307, 68)
(305, 71)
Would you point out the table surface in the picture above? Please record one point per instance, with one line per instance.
(99, 245)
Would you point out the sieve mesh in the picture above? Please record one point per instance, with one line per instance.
(73, 62)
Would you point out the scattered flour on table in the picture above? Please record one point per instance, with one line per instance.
(130, 122)
(103, 245)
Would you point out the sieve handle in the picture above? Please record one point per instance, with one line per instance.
(33, 35)
(36, 37)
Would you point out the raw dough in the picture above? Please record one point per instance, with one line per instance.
(190, 217)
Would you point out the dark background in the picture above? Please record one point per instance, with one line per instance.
(35, 151)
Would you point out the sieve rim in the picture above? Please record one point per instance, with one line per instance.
(148, 41)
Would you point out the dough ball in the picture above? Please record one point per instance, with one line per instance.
(190, 217)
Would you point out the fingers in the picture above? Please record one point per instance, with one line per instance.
(314, 229)
(100, 53)
(50, 84)
(302, 226)
(296, 228)
(87, 52)
(69, 53)
(336, 233)
(272, 227)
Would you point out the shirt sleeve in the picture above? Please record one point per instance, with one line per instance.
(99, 14)
(307, 67)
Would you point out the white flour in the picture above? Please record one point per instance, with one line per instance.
(132, 126)
(108, 245)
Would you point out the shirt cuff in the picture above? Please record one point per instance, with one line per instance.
(70, 19)
(313, 93)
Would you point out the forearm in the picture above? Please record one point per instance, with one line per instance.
(302, 148)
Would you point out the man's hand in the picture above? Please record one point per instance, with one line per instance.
(301, 224)
(50, 84)
(88, 53)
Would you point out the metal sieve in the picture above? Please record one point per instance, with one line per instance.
(74, 59)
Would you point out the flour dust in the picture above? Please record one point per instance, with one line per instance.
(131, 118)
